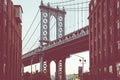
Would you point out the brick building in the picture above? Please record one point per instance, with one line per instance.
(104, 20)
(10, 40)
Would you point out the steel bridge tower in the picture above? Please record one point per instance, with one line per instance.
(46, 13)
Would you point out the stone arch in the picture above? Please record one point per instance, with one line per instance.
(52, 68)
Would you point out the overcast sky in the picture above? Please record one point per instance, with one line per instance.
(74, 20)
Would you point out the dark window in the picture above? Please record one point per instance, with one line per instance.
(118, 28)
(118, 6)
(95, 2)
(118, 45)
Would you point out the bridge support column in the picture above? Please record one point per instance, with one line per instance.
(41, 63)
(31, 68)
(56, 73)
(63, 70)
(46, 68)
(22, 70)
(60, 70)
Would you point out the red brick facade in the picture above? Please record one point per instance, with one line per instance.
(10, 41)
(104, 39)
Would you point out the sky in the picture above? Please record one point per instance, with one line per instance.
(74, 20)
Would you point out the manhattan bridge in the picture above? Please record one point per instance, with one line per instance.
(59, 49)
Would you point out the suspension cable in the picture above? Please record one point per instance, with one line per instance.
(63, 2)
(34, 43)
(31, 25)
(75, 4)
(31, 35)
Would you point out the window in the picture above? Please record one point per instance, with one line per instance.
(110, 12)
(104, 40)
(95, 32)
(118, 45)
(95, 2)
(110, 7)
(105, 69)
(104, 20)
(105, 6)
(105, 35)
(5, 2)
(4, 68)
(95, 20)
(111, 49)
(5, 22)
(118, 28)
(110, 69)
(118, 69)
(94, 46)
(100, 57)
(118, 4)
(91, 7)
(118, 24)
(110, 31)
(98, 14)
(5, 7)
(105, 53)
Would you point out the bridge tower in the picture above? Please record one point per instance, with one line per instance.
(46, 13)
(59, 15)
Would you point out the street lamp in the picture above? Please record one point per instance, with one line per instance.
(83, 61)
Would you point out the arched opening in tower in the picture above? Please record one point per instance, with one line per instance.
(52, 28)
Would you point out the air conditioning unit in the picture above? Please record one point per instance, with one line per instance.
(18, 13)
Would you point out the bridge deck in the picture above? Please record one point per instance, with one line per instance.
(72, 43)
